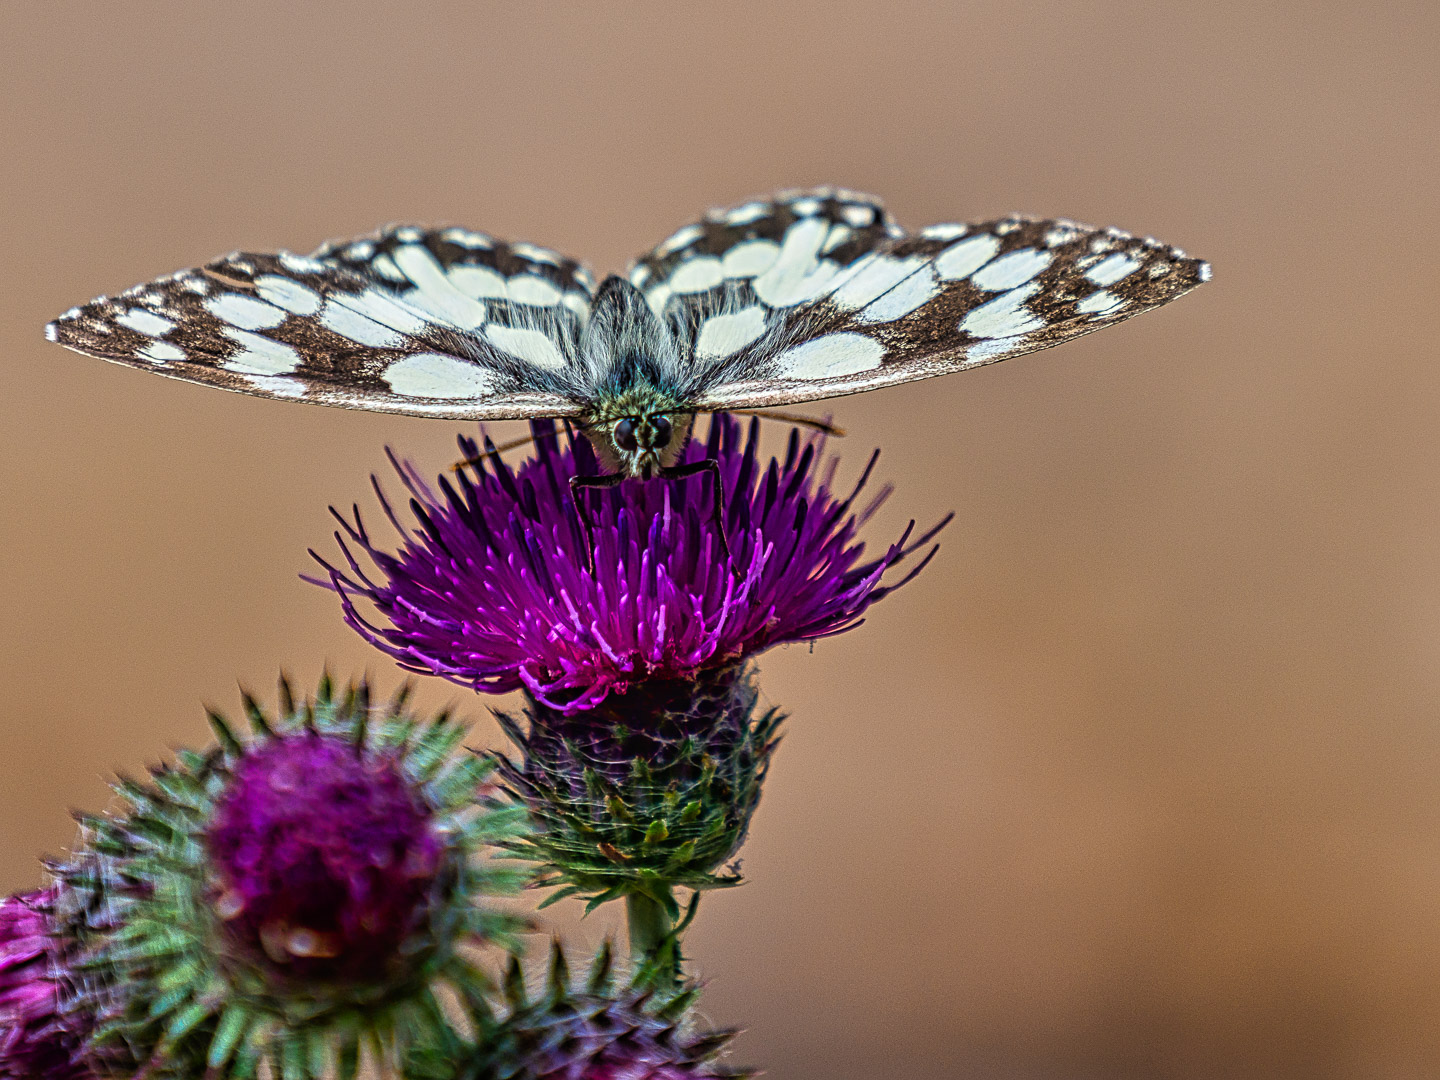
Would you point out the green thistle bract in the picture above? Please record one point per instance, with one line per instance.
(299, 899)
(651, 789)
(583, 1031)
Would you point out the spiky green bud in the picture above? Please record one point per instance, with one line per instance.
(300, 899)
(651, 789)
(583, 1031)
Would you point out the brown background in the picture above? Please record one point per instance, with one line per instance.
(1141, 780)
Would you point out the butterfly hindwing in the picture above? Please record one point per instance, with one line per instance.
(826, 316)
(426, 322)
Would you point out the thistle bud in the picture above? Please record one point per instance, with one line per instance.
(289, 898)
(584, 1031)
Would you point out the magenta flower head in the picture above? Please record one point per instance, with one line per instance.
(493, 590)
(324, 857)
(36, 1041)
(643, 756)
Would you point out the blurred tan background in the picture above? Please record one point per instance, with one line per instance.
(1141, 780)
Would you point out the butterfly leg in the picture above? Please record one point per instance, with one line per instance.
(717, 507)
(582, 509)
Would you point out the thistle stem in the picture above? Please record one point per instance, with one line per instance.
(649, 924)
(650, 929)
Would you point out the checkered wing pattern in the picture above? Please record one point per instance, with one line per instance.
(429, 322)
(817, 294)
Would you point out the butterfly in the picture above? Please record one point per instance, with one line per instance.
(806, 295)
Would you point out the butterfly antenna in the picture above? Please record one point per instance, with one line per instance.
(511, 445)
(794, 418)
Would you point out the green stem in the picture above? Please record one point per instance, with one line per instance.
(649, 925)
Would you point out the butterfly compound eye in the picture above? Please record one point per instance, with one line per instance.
(660, 430)
(625, 435)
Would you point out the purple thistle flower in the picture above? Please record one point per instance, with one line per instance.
(492, 591)
(36, 1043)
(325, 857)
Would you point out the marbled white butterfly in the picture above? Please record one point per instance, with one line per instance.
(812, 294)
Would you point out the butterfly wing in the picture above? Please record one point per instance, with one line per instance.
(427, 322)
(817, 294)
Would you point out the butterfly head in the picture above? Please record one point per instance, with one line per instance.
(640, 443)
(637, 419)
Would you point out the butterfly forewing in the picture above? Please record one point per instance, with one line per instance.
(428, 322)
(811, 294)
(818, 311)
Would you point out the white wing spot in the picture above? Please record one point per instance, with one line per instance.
(477, 281)
(579, 303)
(1061, 234)
(261, 355)
(162, 352)
(916, 290)
(296, 264)
(536, 254)
(829, 356)
(1112, 269)
(745, 213)
(877, 277)
(1203, 271)
(722, 335)
(681, 238)
(467, 239)
(1100, 302)
(657, 298)
(290, 295)
(805, 207)
(197, 285)
(1005, 316)
(435, 292)
(1011, 270)
(838, 235)
(280, 386)
(751, 258)
(532, 289)
(993, 348)
(639, 275)
(386, 268)
(409, 235)
(532, 346)
(145, 322)
(434, 375)
(356, 327)
(384, 309)
(697, 275)
(963, 259)
(789, 280)
(359, 251)
(858, 216)
(943, 232)
(245, 311)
